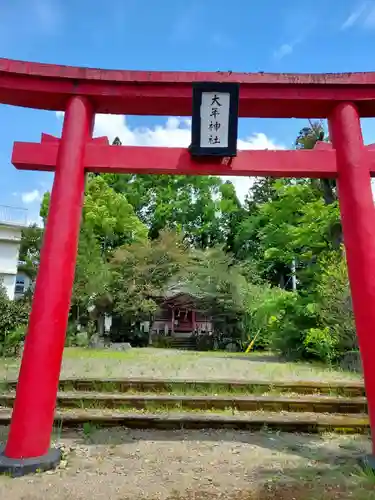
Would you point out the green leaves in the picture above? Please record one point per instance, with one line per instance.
(201, 207)
(109, 215)
(321, 343)
(334, 301)
(108, 221)
(142, 270)
(14, 315)
(31, 244)
(92, 272)
(295, 224)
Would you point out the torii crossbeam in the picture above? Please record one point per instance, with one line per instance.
(100, 157)
(81, 93)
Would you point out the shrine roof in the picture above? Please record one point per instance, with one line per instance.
(180, 294)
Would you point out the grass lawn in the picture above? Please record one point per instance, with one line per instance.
(171, 364)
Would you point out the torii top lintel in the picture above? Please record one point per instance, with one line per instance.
(49, 86)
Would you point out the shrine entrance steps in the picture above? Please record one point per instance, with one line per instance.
(184, 343)
(168, 404)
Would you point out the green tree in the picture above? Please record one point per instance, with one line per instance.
(296, 223)
(204, 208)
(108, 221)
(307, 139)
(107, 214)
(92, 273)
(29, 255)
(288, 220)
(231, 215)
(214, 277)
(141, 271)
(263, 308)
(198, 206)
(246, 242)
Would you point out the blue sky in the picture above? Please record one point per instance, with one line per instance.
(203, 35)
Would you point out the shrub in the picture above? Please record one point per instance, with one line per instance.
(288, 329)
(319, 325)
(321, 343)
(14, 315)
(71, 332)
(76, 338)
(262, 309)
(12, 341)
(161, 341)
(205, 342)
(334, 307)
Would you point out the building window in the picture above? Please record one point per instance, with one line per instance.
(20, 285)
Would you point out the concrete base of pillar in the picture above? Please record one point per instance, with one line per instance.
(21, 467)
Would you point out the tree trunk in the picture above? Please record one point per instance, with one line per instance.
(327, 186)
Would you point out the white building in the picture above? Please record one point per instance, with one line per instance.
(12, 221)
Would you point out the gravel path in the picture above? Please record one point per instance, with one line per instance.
(119, 464)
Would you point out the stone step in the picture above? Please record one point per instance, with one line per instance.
(286, 422)
(188, 343)
(310, 404)
(212, 387)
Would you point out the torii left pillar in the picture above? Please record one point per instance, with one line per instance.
(28, 446)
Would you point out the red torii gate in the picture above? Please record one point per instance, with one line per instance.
(81, 92)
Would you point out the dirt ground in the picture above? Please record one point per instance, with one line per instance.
(172, 364)
(121, 464)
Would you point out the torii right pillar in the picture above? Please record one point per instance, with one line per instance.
(358, 223)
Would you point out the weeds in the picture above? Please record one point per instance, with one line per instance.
(88, 429)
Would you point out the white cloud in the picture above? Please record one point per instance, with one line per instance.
(353, 17)
(364, 15)
(258, 141)
(287, 48)
(31, 196)
(176, 132)
(284, 50)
